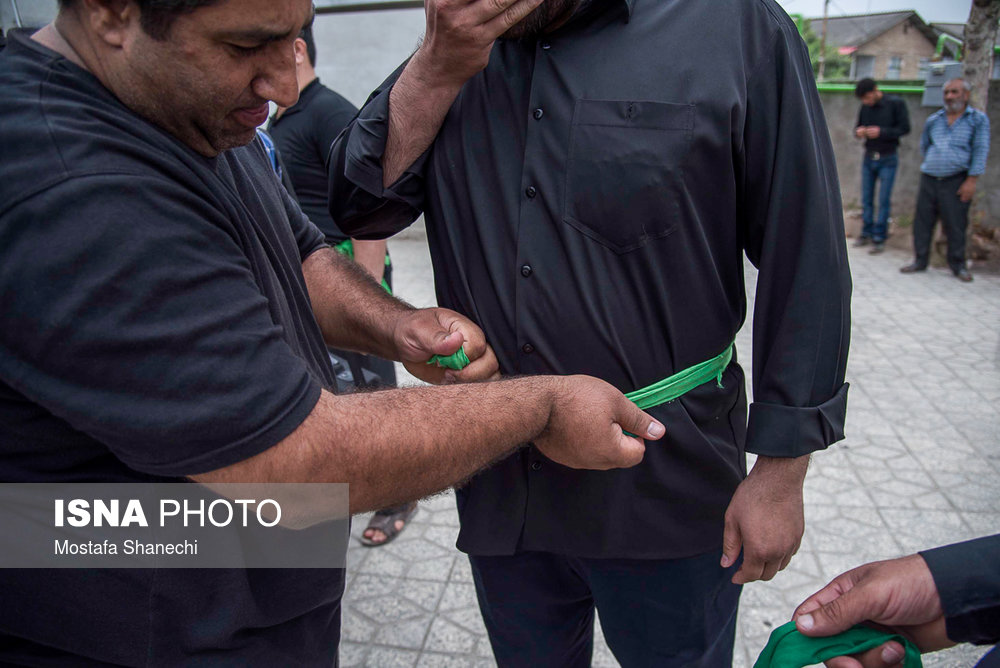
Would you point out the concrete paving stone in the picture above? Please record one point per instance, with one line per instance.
(442, 536)
(448, 518)
(441, 660)
(469, 619)
(386, 657)
(373, 585)
(917, 530)
(444, 501)
(458, 595)
(437, 570)
(982, 524)
(385, 609)
(484, 649)
(356, 628)
(447, 637)
(462, 572)
(961, 656)
(424, 593)
(352, 654)
(382, 562)
(416, 549)
(407, 634)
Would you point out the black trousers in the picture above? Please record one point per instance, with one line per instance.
(939, 197)
(664, 613)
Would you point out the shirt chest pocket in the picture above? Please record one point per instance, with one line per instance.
(625, 170)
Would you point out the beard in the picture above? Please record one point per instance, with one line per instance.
(535, 23)
(955, 106)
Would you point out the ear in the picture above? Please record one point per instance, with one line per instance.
(110, 20)
(301, 52)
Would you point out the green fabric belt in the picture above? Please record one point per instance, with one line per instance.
(346, 247)
(787, 648)
(457, 360)
(682, 382)
(658, 393)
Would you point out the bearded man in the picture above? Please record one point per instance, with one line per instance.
(591, 177)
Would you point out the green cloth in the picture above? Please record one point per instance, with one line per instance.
(681, 383)
(457, 361)
(787, 648)
(346, 247)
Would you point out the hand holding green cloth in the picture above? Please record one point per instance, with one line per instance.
(457, 360)
(787, 648)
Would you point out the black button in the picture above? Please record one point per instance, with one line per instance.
(535, 466)
(546, 46)
(538, 114)
(526, 270)
(531, 192)
(528, 348)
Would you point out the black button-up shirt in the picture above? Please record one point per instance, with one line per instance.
(891, 117)
(606, 236)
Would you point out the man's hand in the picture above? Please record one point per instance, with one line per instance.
(873, 132)
(899, 594)
(859, 131)
(765, 519)
(460, 35)
(586, 424)
(423, 333)
(967, 189)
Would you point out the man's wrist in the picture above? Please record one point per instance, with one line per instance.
(789, 471)
(432, 76)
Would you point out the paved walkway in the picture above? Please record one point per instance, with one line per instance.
(920, 467)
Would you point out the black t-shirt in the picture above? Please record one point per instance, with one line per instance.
(156, 325)
(304, 134)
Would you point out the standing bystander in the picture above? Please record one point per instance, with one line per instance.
(882, 120)
(954, 143)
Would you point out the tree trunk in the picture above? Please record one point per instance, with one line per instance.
(980, 35)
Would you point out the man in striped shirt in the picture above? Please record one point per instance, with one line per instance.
(954, 143)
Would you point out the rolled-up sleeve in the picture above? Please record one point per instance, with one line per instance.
(794, 234)
(359, 204)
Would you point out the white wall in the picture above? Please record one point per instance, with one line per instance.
(356, 51)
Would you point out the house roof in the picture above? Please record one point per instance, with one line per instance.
(856, 30)
(956, 30)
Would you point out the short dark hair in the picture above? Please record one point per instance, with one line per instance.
(307, 36)
(864, 87)
(156, 16)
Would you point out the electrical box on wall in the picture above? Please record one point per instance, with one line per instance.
(938, 75)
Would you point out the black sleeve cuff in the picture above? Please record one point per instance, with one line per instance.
(967, 576)
(788, 431)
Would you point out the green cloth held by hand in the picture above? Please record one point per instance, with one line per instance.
(787, 648)
(457, 360)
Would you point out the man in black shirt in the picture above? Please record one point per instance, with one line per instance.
(882, 120)
(166, 311)
(304, 133)
(590, 183)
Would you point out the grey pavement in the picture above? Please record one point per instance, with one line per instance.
(920, 467)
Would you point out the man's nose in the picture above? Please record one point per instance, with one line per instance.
(276, 80)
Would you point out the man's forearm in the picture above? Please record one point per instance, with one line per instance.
(352, 310)
(398, 445)
(783, 475)
(418, 103)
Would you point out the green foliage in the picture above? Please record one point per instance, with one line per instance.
(837, 66)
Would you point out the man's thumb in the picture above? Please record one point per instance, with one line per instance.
(642, 425)
(836, 616)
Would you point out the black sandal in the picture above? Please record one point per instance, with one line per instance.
(385, 521)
